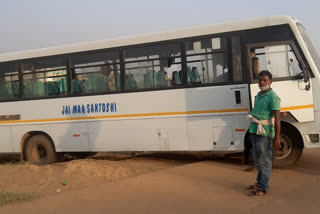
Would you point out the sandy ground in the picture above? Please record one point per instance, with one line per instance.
(163, 183)
(76, 174)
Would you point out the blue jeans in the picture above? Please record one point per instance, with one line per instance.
(262, 157)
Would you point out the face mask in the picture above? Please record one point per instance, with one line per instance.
(264, 88)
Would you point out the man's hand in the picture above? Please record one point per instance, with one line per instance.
(276, 143)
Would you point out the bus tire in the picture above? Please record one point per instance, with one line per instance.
(291, 148)
(39, 150)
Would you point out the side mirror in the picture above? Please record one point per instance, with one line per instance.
(305, 75)
(306, 78)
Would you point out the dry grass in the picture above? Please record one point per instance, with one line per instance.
(12, 198)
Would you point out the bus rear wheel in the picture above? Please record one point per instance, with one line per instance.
(291, 148)
(39, 150)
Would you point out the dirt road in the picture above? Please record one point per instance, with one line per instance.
(165, 185)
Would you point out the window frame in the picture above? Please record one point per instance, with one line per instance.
(72, 69)
(293, 46)
(19, 81)
(146, 45)
(32, 60)
(121, 49)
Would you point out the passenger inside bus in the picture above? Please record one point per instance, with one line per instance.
(254, 63)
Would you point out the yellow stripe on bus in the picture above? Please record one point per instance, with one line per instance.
(127, 116)
(296, 107)
(148, 115)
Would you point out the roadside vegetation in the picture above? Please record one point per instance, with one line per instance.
(12, 198)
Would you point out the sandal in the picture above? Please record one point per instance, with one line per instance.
(257, 193)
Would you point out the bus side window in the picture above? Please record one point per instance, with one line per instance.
(152, 66)
(4, 94)
(176, 80)
(41, 77)
(96, 72)
(207, 60)
(155, 79)
(78, 86)
(9, 90)
(280, 60)
(150, 79)
(9, 81)
(63, 86)
(161, 79)
(52, 89)
(130, 81)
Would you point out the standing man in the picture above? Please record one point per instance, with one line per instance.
(265, 130)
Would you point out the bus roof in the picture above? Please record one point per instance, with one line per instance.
(149, 38)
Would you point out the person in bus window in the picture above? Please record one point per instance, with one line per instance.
(255, 63)
(265, 130)
(106, 79)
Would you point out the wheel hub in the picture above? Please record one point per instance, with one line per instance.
(285, 148)
(39, 153)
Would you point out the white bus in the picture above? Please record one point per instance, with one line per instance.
(184, 90)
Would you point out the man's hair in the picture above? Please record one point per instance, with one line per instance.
(265, 73)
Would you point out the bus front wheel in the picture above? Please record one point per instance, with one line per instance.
(39, 150)
(291, 148)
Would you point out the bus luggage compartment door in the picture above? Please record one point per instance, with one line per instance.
(6, 142)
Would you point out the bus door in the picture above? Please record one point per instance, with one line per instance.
(223, 107)
(290, 78)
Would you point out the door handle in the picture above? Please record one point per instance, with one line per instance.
(237, 95)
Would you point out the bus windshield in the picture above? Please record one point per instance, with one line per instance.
(310, 46)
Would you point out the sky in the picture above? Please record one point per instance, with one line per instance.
(33, 24)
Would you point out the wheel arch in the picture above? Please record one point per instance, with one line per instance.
(294, 130)
(27, 136)
(284, 125)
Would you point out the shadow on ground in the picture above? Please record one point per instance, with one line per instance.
(182, 157)
(8, 159)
